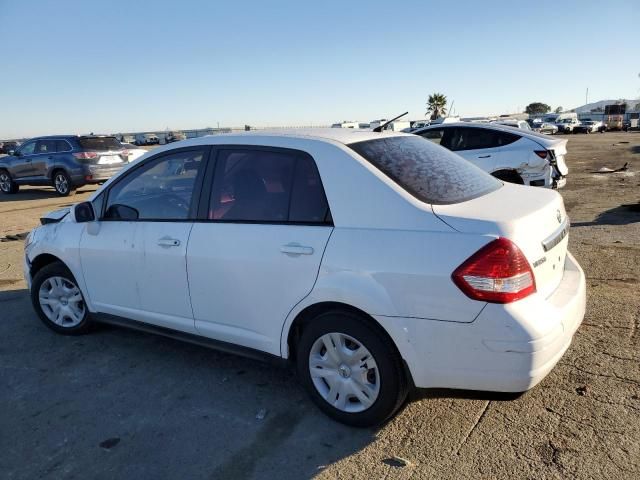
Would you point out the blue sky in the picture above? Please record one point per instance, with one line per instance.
(79, 66)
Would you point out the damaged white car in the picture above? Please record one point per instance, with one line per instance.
(510, 154)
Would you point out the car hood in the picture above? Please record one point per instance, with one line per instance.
(54, 216)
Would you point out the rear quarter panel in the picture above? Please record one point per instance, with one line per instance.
(399, 273)
(394, 273)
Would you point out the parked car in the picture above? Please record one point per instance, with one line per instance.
(589, 126)
(522, 124)
(146, 139)
(64, 162)
(515, 156)
(133, 152)
(566, 125)
(546, 128)
(435, 275)
(8, 147)
(171, 137)
(126, 138)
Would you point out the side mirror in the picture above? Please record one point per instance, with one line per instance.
(84, 212)
(14, 153)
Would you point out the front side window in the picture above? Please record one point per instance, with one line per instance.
(46, 146)
(267, 186)
(162, 189)
(28, 148)
(430, 173)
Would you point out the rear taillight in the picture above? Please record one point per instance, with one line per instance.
(497, 273)
(541, 153)
(85, 155)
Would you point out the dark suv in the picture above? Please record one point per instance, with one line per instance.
(62, 161)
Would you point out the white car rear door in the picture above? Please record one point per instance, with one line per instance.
(257, 251)
(475, 144)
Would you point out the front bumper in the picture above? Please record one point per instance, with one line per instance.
(507, 348)
(26, 269)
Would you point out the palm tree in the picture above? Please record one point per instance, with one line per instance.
(436, 105)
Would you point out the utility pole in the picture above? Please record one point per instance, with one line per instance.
(586, 97)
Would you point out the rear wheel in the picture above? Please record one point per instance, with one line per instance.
(58, 301)
(352, 371)
(509, 176)
(62, 183)
(7, 185)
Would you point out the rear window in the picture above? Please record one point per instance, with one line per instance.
(99, 143)
(429, 172)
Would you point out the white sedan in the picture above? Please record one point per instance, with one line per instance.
(510, 154)
(370, 261)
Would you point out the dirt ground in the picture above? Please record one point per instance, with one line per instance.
(121, 404)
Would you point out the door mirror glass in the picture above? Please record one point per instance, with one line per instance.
(84, 212)
(117, 211)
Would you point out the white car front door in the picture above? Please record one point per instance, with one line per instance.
(258, 252)
(135, 262)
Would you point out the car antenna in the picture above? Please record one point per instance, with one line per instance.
(384, 125)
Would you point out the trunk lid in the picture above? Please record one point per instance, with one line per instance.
(534, 219)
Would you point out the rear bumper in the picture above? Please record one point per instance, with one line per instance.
(507, 348)
(96, 173)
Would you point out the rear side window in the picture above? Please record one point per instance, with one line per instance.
(430, 173)
(434, 135)
(99, 143)
(267, 186)
(62, 146)
(308, 202)
(469, 138)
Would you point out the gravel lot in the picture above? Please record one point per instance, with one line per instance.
(121, 404)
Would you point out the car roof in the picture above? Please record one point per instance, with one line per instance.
(537, 137)
(487, 126)
(345, 136)
(53, 137)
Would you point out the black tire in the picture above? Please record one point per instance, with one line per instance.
(7, 185)
(61, 182)
(508, 176)
(57, 269)
(394, 385)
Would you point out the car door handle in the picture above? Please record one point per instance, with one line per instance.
(168, 242)
(484, 156)
(296, 249)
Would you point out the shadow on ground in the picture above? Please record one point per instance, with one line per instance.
(620, 215)
(39, 194)
(141, 405)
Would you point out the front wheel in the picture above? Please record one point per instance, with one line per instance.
(351, 370)
(62, 183)
(7, 185)
(58, 301)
